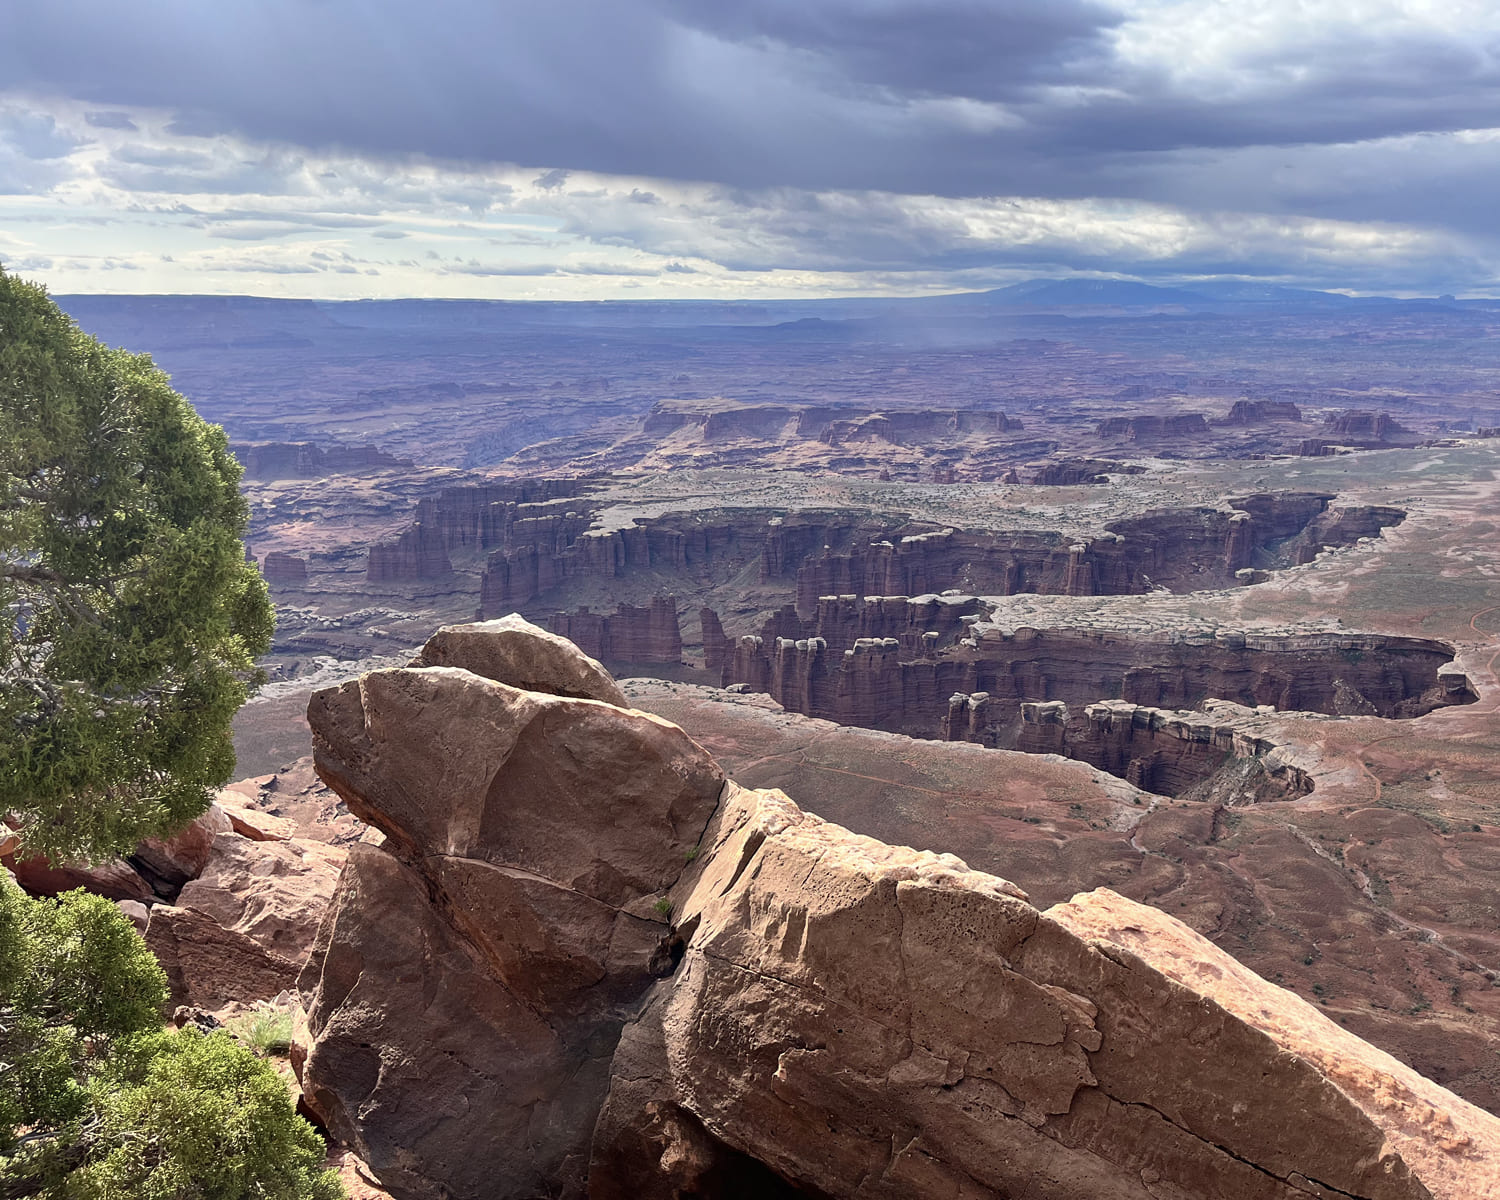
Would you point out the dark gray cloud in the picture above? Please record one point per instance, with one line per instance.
(110, 120)
(821, 128)
(973, 48)
(955, 97)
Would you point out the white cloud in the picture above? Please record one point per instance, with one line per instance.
(133, 206)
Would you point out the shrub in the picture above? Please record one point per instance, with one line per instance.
(99, 1102)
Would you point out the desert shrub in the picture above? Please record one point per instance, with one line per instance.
(99, 1102)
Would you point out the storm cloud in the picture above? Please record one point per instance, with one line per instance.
(807, 135)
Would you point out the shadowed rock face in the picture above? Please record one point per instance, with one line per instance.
(584, 963)
(541, 539)
(902, 680)
(631, 634)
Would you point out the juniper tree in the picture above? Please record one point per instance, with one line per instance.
(98, 1101)
(129, 618)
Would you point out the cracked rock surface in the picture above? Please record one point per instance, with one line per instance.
(583, 963)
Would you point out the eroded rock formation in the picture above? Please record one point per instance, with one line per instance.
(285, 570)
(584, 963)
(902, 680)
(1261, 412)
(831, 425)
(1365, 426)
(1154, 427)
(1159, 750)
(474, 518)
(631, 634)
(307, 460)
(542, 536)
(1182, 549)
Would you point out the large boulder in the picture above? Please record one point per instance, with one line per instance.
(242, 930)
(514, 651)
(583, 963)
(275, 893)
(168, 863)
(210, 967)
(484, 960)
(158, 867)
(115, 879)
(874, 1021)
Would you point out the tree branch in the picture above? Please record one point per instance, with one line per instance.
(23, 573)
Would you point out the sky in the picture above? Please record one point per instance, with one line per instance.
(713, 149)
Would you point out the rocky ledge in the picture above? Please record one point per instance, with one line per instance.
(584, 963)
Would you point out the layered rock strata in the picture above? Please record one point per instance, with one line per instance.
(1180, 549)
(584, 963)
(1157, 750)
(830, 425)
(473, 518)
(541, 536)
(307, 460)
(716, 644)
(1153, 427)
(631, 634)
(904, 683)
(284, 570)
(1261, 412)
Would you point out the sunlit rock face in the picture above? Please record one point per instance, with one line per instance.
(584, 963)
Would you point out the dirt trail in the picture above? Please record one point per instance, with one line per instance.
(802, 761)
(1489, 666)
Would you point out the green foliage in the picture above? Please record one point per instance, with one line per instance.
(98, 1102)
(129, 619)
(267, 1032)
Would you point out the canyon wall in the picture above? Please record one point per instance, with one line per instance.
(475, 518)
(1159, 750)
(540, 535)
(904, 686)
(547, 554)
(830, 425)
(284, 570)
(631, 634)
(1153, 427)
(1261, 412)
(1181, 549)
(308, 460)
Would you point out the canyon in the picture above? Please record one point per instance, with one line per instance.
(1190, 616)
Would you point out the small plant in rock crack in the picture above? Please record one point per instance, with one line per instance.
(663, 907)
(689, 855)
(268, 1033)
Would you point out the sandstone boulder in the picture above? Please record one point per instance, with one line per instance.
(1449, 1143)
(136, 912)
(875, 1021)
(159, 866)
(115, 879)
(255, 825)
(211, 967)
(547, 827)
(168, 863)
(514, 651)
(582, 963)
(242, 930)
(275, 893)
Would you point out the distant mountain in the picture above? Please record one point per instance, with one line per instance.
(1069, 293)
(1210, 296)
(1225, 289)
